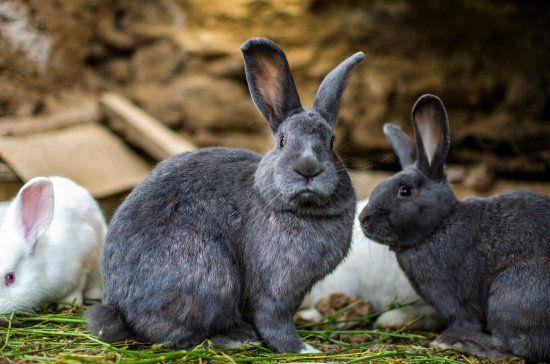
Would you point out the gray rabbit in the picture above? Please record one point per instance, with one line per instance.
(222, 243)
(484, 264)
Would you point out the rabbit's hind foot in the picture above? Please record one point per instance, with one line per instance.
(471, 341)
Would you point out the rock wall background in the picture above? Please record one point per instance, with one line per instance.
(180, 60)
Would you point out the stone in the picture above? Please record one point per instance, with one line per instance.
(45, 46)
(201, 102)
(119, 70)
(158, 62)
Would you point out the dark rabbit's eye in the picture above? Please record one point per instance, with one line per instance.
(404, 191)
(282, 142)
(332, 143)
(9, 278)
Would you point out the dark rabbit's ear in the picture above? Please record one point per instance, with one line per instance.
(328, 96)
(401, 144)
(270, 81)
(431, 129)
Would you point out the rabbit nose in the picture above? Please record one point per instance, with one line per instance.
(308, 167)
(364, 217)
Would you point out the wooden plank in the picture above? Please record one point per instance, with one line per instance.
(84, 112)
(142, 129)
(89, 154)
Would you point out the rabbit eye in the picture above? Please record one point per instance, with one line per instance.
(9, 278)
(404, 191)
(332, 143)
(282, 142)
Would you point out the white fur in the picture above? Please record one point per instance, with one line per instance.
(64, 263)
(372, 273)
(308, 349)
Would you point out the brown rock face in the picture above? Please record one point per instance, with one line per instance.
(180, 60)
(44, 48)
(199, 102)
(158, 62)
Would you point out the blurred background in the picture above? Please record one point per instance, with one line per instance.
(178, 61)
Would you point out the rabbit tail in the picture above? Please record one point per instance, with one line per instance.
(108, 324)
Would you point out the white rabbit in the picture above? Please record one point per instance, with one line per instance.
(372, 273)
(51, 241)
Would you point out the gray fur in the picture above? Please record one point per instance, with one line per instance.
(224, 243)
(401, 144)
(484, 264)
(327, 99)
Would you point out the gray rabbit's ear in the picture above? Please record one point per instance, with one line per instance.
(401, 144)
(328, 96)
(270, 81)
(431, 129)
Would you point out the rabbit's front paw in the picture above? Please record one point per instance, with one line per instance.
(416, 317)
(93, 294)
(75, 298)
(394, 319)
(309, 315)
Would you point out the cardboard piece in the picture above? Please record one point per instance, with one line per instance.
(82, 113)
(88, 153)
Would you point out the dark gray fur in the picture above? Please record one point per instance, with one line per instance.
(327, 99)
(401, 144)
(224, 243)
(484, 264)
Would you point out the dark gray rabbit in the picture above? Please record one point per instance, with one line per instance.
(484, 264)
(224, 243)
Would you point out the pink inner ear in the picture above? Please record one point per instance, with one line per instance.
(36, 206)
(269, 79)
(430, 132)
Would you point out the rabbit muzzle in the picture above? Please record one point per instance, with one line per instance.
(377, 228)
(308, 197)
(308, 167)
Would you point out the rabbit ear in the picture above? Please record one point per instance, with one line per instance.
(34, 206)
(431, 129)
(270, 81)
(328, 96)
(401, 144)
